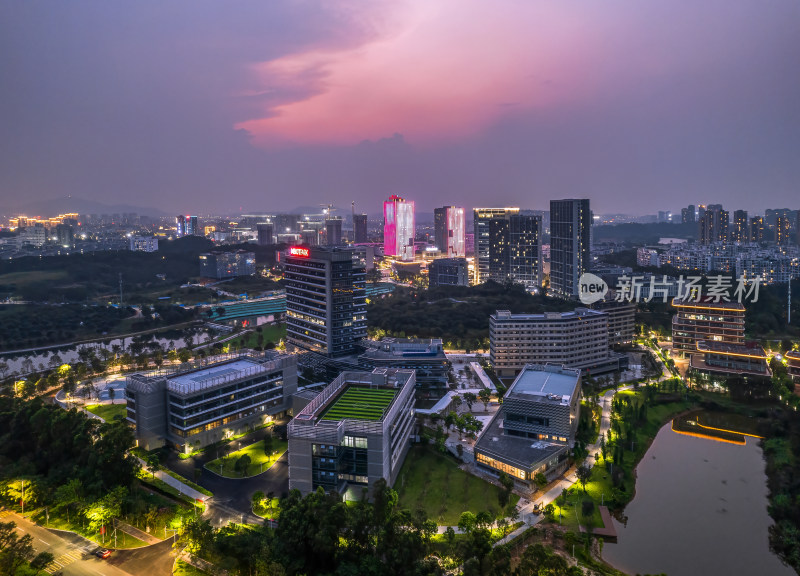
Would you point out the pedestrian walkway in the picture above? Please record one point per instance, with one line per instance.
(177, 484)
(62, 561)
(136, 533)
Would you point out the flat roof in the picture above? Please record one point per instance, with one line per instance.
(202, 378)
(550, 382)
(571, 315)
(750, 349)
(707, 303)
(356, 402)
(523, 453)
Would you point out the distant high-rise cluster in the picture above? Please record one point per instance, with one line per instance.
(186, 226)
(398, 228)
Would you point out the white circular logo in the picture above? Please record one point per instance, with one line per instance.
(591, 288)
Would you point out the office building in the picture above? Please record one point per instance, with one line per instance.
(186, 226)
(577, 339)
(741, 227)
(525, 249)
(449, 232)
(227, 264)
(326, 306)
(621, 320)
(333, 231)
(730, 360)
(144, 243)
(266, 233)
(360, 228)
(194, 408)
(398, 228)
(705, 320)
(570, 231)
(509, 247)
(535, 426)
(355, 432)
(64, 235)
(425, 356)
(448, 272)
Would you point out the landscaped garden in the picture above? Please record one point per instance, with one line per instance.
(108, 412)
(433, 482)
(250, 460)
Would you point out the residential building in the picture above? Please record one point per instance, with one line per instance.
(570, 239)
(757, 229)
(448, 272)
(647, 257)
(490, 241)
(578, 339)
(194, 408)
(705, 320)
(227, 264)
(326, 306)
(355, 432)
(425, 356)
(713, 226)
(793, 367)
(449, 229)
(687, 215)
(144, 243)
(741, 227)
(186, 226)
(398, 228)
(64, 235)
(360, 228)
(782, 230)
(535, 426)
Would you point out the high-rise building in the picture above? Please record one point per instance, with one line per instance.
(487, 232)
(741, 226)
(570, 238)
(398, 228)
(449, 231)
(326, 306)
(144, 243)
(757, 229)
(227, 264)
(359, 228)
(782, 230)
(353, 433)
(713, 226)
(266, 233)
(64, 235)
(333, 230)
(525, 249)
(687, 214)
(186, 226)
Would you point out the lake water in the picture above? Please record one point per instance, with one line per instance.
(700, 510)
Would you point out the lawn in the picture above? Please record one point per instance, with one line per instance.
(433, 482)
(109, 412)
(259, 461)
(269, 333)
(185, 569)
(58, 520)
(360, 403)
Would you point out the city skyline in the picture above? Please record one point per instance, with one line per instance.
(279, 105)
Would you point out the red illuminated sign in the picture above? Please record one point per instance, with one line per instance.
(299, 252)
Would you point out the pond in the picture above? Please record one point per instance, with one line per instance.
(700, 510)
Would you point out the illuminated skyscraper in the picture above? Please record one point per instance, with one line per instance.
(490, 241)
(186, 226)
(450, 228)
(570, 236)
(398, 228)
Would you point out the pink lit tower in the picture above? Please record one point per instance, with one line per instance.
(398, 228)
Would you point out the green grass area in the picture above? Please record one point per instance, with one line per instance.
(108, 412)
(268, 509)
(269, 333)
(182, 568)
(187, 482)
(147, 479)
(58, 520)
(360, 403)
(433, 482)
(259, 462)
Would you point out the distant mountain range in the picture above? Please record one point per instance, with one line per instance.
(54, 206)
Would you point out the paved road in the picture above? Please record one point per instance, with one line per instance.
(232, 499)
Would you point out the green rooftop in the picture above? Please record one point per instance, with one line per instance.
(360, 403)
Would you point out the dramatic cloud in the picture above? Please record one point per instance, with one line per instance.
(214, 106)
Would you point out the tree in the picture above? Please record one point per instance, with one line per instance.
(470, 398)
(112, 393)
(242, 464)
(467, 522)
(268, 443)
(68, 494)
(508, 486)
(485, 396)
(153, 464)
(41, 561)
(584, 474)
(258, 499)
(540, 480)
(14, 550)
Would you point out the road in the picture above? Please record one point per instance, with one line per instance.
(73, 553)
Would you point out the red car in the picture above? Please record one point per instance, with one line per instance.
(102, 553)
